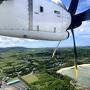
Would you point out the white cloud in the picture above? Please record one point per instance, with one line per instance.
(83, 29)
(12, 42)
(86, 36)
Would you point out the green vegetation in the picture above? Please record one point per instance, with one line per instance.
(48, 82)
(18, 62)
(30, 78)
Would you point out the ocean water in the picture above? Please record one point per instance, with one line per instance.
(83, 78)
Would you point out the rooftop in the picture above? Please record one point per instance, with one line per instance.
(10, 88)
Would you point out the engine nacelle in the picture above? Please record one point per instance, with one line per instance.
(34, 19)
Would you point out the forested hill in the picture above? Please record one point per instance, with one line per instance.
(23, 48)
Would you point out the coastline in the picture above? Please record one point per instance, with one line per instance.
(67, 68)
(73, 81)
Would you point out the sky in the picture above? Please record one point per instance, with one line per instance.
(82, 34)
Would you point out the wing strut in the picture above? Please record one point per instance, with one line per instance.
(55, 49)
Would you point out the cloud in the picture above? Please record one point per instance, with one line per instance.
(86, 36)
(83, 29)
(12, 42)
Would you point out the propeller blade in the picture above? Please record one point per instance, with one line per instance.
(55, 50)
(77, 19)
(73, 6)
(83, 16)
(75, 54)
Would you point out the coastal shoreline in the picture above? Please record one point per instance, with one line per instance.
(73, 81)
(66, 68)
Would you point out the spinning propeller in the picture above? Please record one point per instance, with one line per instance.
(77, 20)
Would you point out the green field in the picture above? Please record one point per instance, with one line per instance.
(44, 81)
(20, 62)
(30, 78)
